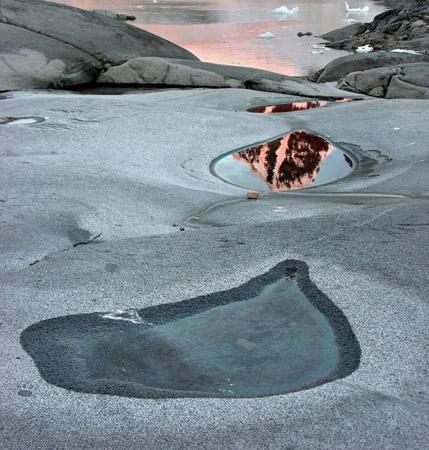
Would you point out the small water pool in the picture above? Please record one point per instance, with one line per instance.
(296, 106)
(294, 161)
(275, 334)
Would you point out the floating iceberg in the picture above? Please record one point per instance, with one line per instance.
(320, 47)
(267, 35)
(284, 11)
(364, 49)
(363, 10)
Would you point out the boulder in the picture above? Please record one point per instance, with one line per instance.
(160, 71)
(30, 60)
(401, 81)
(343, 33)
(108, 40)
(176, 72)
(264, 80)
(340, 67)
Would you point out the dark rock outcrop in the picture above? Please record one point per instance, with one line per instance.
(401, 81)
(389, 30)
(340, 67)
(343, 33)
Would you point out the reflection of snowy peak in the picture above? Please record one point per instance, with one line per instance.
(291, 162)
(288, 107)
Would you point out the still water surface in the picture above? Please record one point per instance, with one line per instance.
(227, 31)
(291, 162)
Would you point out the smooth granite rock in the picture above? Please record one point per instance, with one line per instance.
(405, 81)
(175, 72)
(264, 80)
(109, 40)
(130, 167)
(160, 71)
(30, 60)
(340, 67)
(343, 32)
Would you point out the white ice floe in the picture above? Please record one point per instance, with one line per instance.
(267, 35)
(363, 10)
(284, 11)
(317, 52)
(320, 47)
(364, 49)
(11, 121)
(403, 50)
(128, 315)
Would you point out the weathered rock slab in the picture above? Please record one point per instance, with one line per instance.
(160, 71)
(32, 61)
(405, 81)
(175, 72)
(109, 40)
(340, 67)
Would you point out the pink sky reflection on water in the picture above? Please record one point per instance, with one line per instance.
(227, 31)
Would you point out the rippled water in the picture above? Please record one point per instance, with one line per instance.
(227, 31)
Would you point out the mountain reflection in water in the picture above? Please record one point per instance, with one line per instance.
(293, 161)
(288, 107)
(297, 106)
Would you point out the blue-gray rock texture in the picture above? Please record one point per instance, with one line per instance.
(131, 167)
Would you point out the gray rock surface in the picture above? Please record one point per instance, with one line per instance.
(109, 40)
(113, 14)
(404, 81)
(161, 71)
(175, 72)
(30, 60)
(340, 67)
(123, 166)
(420, 44)
(342, 33)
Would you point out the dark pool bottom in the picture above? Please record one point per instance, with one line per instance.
(272, 335)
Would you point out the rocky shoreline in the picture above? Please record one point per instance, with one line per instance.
(77, 48)
(391, 56)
